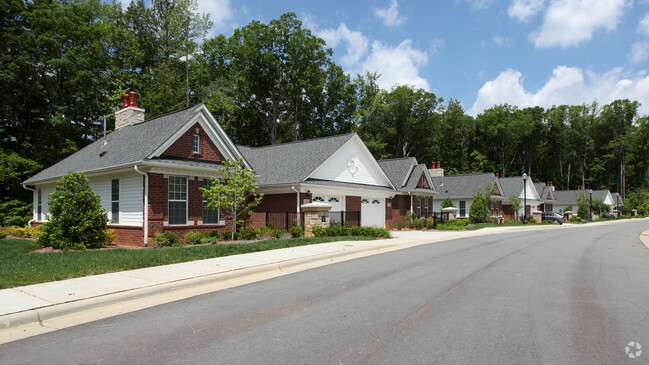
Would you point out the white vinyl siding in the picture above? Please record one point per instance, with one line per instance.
(336, 168)
(131, 197)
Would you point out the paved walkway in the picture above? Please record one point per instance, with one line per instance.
(42, 305)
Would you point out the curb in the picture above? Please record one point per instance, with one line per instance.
(644, 238)
(38, 316)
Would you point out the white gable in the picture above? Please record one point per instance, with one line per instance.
(352, 163)
(532, 194)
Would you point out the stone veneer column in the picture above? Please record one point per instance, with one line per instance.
(452, 212)
(315, 214)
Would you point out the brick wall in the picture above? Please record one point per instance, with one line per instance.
(279, 203)
(128, 235)
(184, 146)
(353, 203)
(398, 210)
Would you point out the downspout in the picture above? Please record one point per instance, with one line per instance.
(33, 192)
(298, 204)
(410, 193)
(146, 204)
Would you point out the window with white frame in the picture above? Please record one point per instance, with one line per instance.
(418, 210)
(210, 216)
(462, 208)
(114, 200)
(197, 143)
(426, 207)
(39, 205)
(177, 200)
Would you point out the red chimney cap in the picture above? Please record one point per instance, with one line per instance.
(124, 101)
(132, 99)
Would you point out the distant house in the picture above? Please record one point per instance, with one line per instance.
(462, 188)
(568, 199)
(415, 189)
(513, 186)
(546, 194)
(148, 174)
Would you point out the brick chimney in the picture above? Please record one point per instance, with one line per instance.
(130, 113)
(436, 169)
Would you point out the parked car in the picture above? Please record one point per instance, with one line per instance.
(553, 216)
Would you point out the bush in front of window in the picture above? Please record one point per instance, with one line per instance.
(165, 239)
(193, 238)
(77, 219)
(213, 233)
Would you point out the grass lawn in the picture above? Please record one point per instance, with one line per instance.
(20, 267)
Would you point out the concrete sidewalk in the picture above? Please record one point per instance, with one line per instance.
(29, 310)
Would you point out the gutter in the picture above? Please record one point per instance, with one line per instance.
(33, 192)
(146, 203)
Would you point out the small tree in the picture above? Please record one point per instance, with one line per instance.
(76, 219)
(515, 202)
(583, 211)
(479, 211)
(447, 203)
(236, 194)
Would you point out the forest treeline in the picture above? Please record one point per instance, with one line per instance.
(65, 64)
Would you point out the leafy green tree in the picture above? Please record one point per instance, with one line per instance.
(583, 210)
(447, 203)
(516, 204)
(234, 194)
(479, 211)
(76, 219)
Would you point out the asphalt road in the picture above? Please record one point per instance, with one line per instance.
(558, 296)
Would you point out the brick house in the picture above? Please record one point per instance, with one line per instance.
(148, 175)
(159, 164)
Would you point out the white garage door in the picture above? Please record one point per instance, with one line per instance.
(372, 212)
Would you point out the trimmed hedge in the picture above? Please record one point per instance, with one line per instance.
(337, 231)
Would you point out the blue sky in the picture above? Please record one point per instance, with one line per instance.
(480, 52)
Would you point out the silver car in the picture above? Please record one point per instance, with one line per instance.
(554, 217)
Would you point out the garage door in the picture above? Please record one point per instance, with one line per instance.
(337, 207)
(372, 212)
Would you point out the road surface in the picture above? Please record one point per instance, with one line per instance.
(556, 296)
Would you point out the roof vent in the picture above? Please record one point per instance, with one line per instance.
(102, 154)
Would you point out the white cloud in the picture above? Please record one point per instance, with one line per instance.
(502, 41)
(568, 85)
(643, 26)
(399, 65)
(524, 10)
(639, 52)
(570, 22)
(219, 11)
(436, 44)
(479, 4)
(390, 15)
(356, 44)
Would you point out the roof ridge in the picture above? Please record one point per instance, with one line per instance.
(396, 158)
(164, 115)
(302, 141)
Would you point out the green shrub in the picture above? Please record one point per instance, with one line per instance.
(193, 238)
(430, 223)
(583, 212)
(575, 220)
(247, 233)
(77, 219)
(479, 212)
(165, 239)
(453, 225)
(227, 236)
(213, 233)
(266, 231)
(210, 240)
(280, 232)
(420, 223)
(297, 231)
(284, 235)
(401, 225)
(337, 231)
(447, 203)
(16, 231)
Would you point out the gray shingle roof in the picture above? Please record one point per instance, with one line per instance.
(125, 146)
(462, 186)
(292, 162)
(570, 196)
(397, 170)
(512, 186)
(544, 191)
